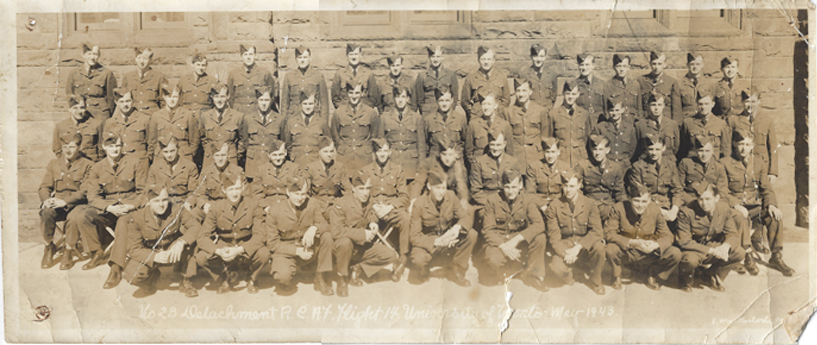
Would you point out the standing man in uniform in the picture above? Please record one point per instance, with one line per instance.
(530, 122)
(456, 178)
(133, 126)
(571, 125)
(355, 74)
(177, 122)
(575, 234)
(542, 80)
(702, 166)
(691, 84)
(660, 83)
(705, 123)
(395, 78)
(476, 134)
(485, 79)
(603, 178)
(655, 122)
(222, 124)
(244, 82)
(304, 79)
(196, 87)
(301, 132)
(353, 126)
(79, 121)
(445, 124)
(727, 90)
(175, 173)
(145, 83)
(762, 127)
(626, 90)
(486, 172)
(406, 130)
(658, 173)
(591, 87)
(93, 81)
(327, 177)
(271, 177)
(619, 129)
(543, 177)
(212, 176)
(259, 128)
(435, 76)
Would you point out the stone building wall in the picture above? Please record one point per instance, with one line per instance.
(762, 39)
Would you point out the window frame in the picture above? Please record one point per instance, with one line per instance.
(402, 25)
(670, 23)
(128, 32)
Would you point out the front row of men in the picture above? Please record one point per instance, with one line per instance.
(304, 219)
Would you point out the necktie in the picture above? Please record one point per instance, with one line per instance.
(220, 117)
(400, 116)
(572, 207)
(570, 112)
(115, 166)
(695, 81)
(306, 120)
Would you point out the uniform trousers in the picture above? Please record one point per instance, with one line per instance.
(533, 255)
(458, 255)
(284, 266)
(664, 264)
(593, 257)
(372, 257)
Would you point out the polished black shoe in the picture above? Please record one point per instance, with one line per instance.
(113, 278)
(777, 263)
(617, 283)
(224, 287)
(148, 287)
(321, 285)
(251, 288)
(96, 260)
(457, 275)
(652, 283)
(749, 263)
(67, 260)
(715, 283)
(535, 282)
(397, 273)
(343, 287)
(48, 255)
(354, 276)
(187, 288)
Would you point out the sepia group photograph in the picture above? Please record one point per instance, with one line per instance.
(471, 172)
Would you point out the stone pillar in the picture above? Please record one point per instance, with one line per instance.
(801, 123)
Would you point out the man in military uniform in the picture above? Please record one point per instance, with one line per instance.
(222, 124)
(455, 175)
(476, 134)
(762, 127)
(530, 122)
(243, 83)
(439, 231)
(514, 231)
(655, 122)
(133, 126)
(542, 79)
(395, 78)
(298, 235)
(636, 232)
(389, 198)
(259, 128)
(161, 234)
(271, 177)
(355, 230)
(727, 90)
(231, 239)
(619, 131)
(704, 123)
(591, 87)
(659, 175)
(177, 122)
(211, 177)
(751, 194)
(445, 123)
(145, 83)
(691, 84)
(543, 177)
(603, 178)
(406, 130)
(79, 121)
(624, 89)
(93, 81)
(702, 166)
(355, 74)
(571, 125)
(486, 171)
(60, 192)
(304, 79)
(435, 76)
(660, 83)
(302, 131)
(707, 236)
(353, 126)
(176, 173)
(196, 87)
(327, 177)
(485, 79)
(574, 231)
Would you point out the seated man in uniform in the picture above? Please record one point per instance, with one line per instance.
(232, 238)
(438, 231)
(354, 229)
(530, 122)
(260, 127)
(702, 166)
(302, 130)
(352, 127)
(752, 195)
(456, 179)
(476, 134)
(575, 233)
(389, 198)
(327, 177)
(704, 123)
(178, 174)
(603, 178)
(163, 233)
(514, 231)
(659, 174)
(544, 181)
(486, 172)
(572, 125)
(619, 129)
(80, 121)
(222, 124)
(405, 130)
(60, 192)
(176, 121)
(636, 232)
(269, 187)
(298, 236)
(655, 122)
(211, 177)
(707, 236)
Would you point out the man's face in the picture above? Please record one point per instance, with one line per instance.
(571, 188)
(172, 100)
(640, 203)
(751, 104)
(438, 190)
(70, 150)
(355, 94)
(382, 155)
(234, 192)
(497, 147)
(264, 102)
(113, 150)
(353, 57)
(304, 60)
(78, 111)
(622, 68)
(656, 108)
(220, 157)
(488, 106)
(248, 57)
(170, 152)
(705, 153)
(401, 100)
(513, 188)
(448, 157)
(159, 204)
(705, 105)
(523, 93)
(444, 102)
(539, 59)
(327, 154)
(396, 67)
(552, 154)
(298, 197)
(436, 59)
(125, 103)
(361, 192)
(695, 66)
(600, 152)
(486, 61)
(199, 67)
(308, 106)
(278, 156)
(143, 61)
(745, 147)
(657, 65)
(220, 99)
(730, 71)
(571, 96)
(91, 57)
(586, 67)
(708, 200)
(616, 112)
(655, 151)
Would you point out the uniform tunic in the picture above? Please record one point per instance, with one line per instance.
(624, 225)
(663, 85)
(270, 184)
(348, 222)
(242, 83)
(429, 81)
(361, 75)
(476, 136)
(407, 135)
(196, 90)
(728, 99)
(763, 127)
(622, 139)
(90, 129)
(145, 88)
(286, 226)
(689, 87)
(530, 124)
(544, 182)
(566, 227)
(137, 140)
(668, 127)
(97, 86)
(504, 220)
(387, 85)
(327, 183)
(603, 183)
(451, 127)
(477, 82)
(228, 130)
(709, 126)
(149, 233)
(749, 187)
(180, 179)
(62, 180)
(661, 178)
(699, 231)
(309, 80)
(691, 170)
(389, 188)
(486, 175)
(430, 219)
(544, 85)
(572, 126)
(258, 132)
(352, 130)
(591, 94)
(628, 92)
(302, 137)
(181, 124)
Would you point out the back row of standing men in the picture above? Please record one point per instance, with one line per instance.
(213, 126)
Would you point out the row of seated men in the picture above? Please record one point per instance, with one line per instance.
(562, 211)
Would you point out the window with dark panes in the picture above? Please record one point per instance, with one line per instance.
(161, 20)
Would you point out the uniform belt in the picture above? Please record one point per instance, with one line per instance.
(229, 240)
(155, 243)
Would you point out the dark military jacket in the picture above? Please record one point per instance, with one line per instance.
(407, 137)
(430, 219)
(628, 92)
(544, 85)
(478, 82)
(691, 170)
(348, 218)
(429, 81)
(728, 99)
(148, 232)
(90, 129)
(486, 175)
(666, 86)
(714, 127)
(97, 86)
(545, 181)
(196, 91)
(504, 219)
(135, 131)
(302, 138)
(228, 130)
(689, 88)
(242, 84)
(183, 125)
(226, 225)
(145, 89)
(386, 87)
(326, 183)
(388, 184)
(670, 129)
(624, 224)
(270, 184)
(352, 131)
(529, 126)
(603, 183)
(362, 75)
(107, 186)
(623, 140)
(210, 180)
(565, 228)
(698, 231)
(179, 180)
(476, 136)
(453, 128)
(763, 127)
(286, 225)
(308, 81)
(748, 182)
(257, 135)
(591, 94)
(661, 178)
(63, 180)
(572, 131)
(456, 179)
